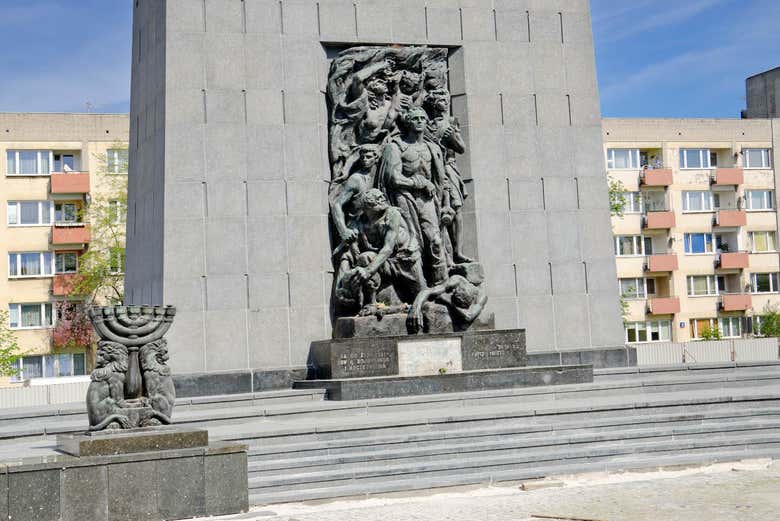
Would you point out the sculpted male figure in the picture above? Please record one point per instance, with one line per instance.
(390, 254)
(342, 198)
(464, 295)
(444, 129)
(369, 103)
(412, 174)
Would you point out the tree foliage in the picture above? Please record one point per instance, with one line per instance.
(710, 333)
(9, 348)
(73, 329)
(769, 322)
(617, 198)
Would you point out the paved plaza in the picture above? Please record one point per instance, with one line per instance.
(743, 491)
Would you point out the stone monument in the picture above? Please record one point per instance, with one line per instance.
(299, 169)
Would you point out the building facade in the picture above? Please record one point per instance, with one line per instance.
(54, 168)
(696, 247)
(762, 93)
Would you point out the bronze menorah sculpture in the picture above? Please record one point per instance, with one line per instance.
(131, 384)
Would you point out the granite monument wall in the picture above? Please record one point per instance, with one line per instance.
(228, 210)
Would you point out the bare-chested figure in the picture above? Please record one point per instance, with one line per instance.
(464, 297)
(362, 177)
(369, 102)
(412, 174)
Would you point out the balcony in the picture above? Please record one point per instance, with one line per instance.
(660, 220)
(727, 177)
(730, 218)
(70, 234)
(735, 302)
(661, 263)
(732, 261)
(64, 284)
(663, 306)
(70, 183)
(655, 177)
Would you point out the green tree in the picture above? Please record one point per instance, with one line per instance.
(617, 198)
(769, 322)
(710, 333)
(9, 348)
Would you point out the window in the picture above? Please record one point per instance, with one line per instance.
(66, 213)
(64, 163)
(756, 158)
(633, 202)
(728, 327)
(762, 241)
(116, 211)
(637, 288)
(66, 262)
(698, 201)
(759, 199)
(650, 331)
(116, 261)
(28, 316)
(623, 158)
(30, 264)
(29, 213)
(116, 160)
(28, 162)
(633, 245)
(68, 364)
(695, 158)
(764, 283)
(698, 243)
(699, 285)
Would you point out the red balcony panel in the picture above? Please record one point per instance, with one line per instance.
(664, 306)
(64, 284)
(70, 234)
(661, 263)
(736, 260)
(736, 302)
(70, 183)
(731, 218)
(659, 220)
(656, 177)
(729, 176)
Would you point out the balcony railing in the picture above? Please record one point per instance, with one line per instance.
(658, 220)
(730, 218)
(735, 301)
(661, 263)
(73, 233)
(732, 260)
(655, 177)
(727, 176)
(70, 183)
(663, 305)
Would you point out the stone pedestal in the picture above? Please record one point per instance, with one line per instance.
(417, 355)
(112, 442)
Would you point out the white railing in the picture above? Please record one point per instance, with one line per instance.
(736, 350)
(44, 394)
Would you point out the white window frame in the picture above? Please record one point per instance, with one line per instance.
(634, 202)
(774, 282)
(61, 254)
(768, 200)
(639, 282)
(44, 207)
(704, 158)
(709, 239)
(20, 366)
(752, 238)
(634, 159)
(115, 152)
(713, 288)
(766, 159)
(119, 209)
(76, 211)
(41, 260)
(18, 313)
(640, 239)
(705, 196)
(38, 160)
(649, 326)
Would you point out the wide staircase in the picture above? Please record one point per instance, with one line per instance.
(304, 447)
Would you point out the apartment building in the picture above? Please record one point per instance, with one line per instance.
(696, 248)
(53, 167)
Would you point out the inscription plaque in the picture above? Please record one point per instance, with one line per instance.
(429, 356)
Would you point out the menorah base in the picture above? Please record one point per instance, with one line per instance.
(132, 417)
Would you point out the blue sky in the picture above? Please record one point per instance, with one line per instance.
(655, 58)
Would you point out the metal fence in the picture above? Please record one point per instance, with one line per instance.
(48, 394)
(736, 350)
